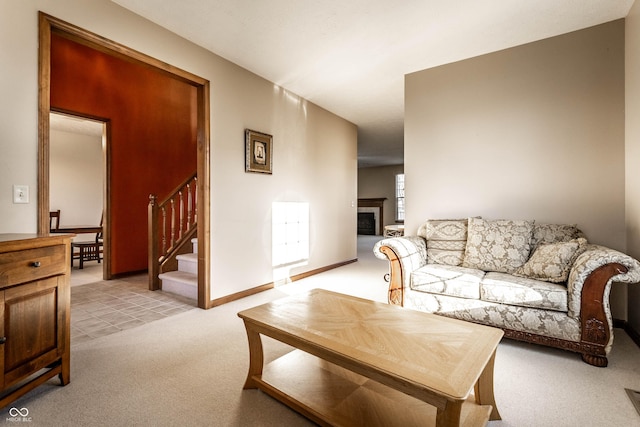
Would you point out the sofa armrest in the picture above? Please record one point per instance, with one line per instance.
(405, 254)
(622, 268)
(589, 286)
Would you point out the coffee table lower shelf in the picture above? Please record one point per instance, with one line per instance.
(333, 396)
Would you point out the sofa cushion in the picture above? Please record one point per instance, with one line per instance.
(446, 240)
(547, 323)
(554, 233)
(497, 245)
(519, 291)
(552, 262)
(448, 280)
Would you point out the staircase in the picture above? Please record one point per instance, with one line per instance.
(172, 226)
(183, 281)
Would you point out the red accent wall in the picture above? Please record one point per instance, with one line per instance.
(153, 134)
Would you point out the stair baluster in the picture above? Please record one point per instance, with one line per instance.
(164, 230)
(181, 212)
(188, 203)
(173, 222)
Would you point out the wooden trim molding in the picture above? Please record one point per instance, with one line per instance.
(44, 109)
(271, 285)
(633, 334)
(204, 200)
(47, 25)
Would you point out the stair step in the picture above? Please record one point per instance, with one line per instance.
(188, 263)
(181, 283)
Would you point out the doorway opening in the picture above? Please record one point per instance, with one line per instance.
(77, 180)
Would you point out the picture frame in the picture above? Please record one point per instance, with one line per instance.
(258, 152)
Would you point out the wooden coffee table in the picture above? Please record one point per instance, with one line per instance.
(366, 363)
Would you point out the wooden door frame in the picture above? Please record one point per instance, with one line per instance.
(49, 24)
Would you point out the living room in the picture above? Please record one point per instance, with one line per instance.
(567, 154)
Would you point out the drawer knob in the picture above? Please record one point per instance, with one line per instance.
(3, 340)
(36, 264)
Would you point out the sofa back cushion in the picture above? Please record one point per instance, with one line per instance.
(497, 245)
(552, 262)
(446, 240)
(554, 233)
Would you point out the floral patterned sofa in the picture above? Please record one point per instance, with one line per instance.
(541, 283)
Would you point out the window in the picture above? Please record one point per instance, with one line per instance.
(400, 197)
(290, 228)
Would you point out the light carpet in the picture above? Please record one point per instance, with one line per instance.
(188, 370)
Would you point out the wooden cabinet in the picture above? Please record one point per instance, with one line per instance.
(34, 312)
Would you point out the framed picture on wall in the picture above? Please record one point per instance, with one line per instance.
(258, 152)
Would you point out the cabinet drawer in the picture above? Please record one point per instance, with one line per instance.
(32, 264)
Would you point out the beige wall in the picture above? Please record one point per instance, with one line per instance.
(632, 109)
(379, 182)
(532, 132)
(315, 152)
(76, 178)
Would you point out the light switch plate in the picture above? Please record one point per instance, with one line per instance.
(20, 194)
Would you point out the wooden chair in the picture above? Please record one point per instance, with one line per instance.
(54, 216)
(88, 250)
(99, 240)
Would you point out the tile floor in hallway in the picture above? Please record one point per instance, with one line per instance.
(107, 307)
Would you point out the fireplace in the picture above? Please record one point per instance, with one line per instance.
(367, 223)
(375, 207)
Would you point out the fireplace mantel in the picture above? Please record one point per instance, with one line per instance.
(375, 203)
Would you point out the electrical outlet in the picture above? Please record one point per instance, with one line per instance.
(20, 194)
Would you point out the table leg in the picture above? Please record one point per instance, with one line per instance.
(450, 415)
(484, 389)
(256, 356)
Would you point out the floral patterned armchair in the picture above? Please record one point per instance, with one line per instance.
(540, 283)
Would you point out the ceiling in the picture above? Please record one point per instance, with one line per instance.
(74, 124)
(350, 56)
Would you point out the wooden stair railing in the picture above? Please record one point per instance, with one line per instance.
(171, 224)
